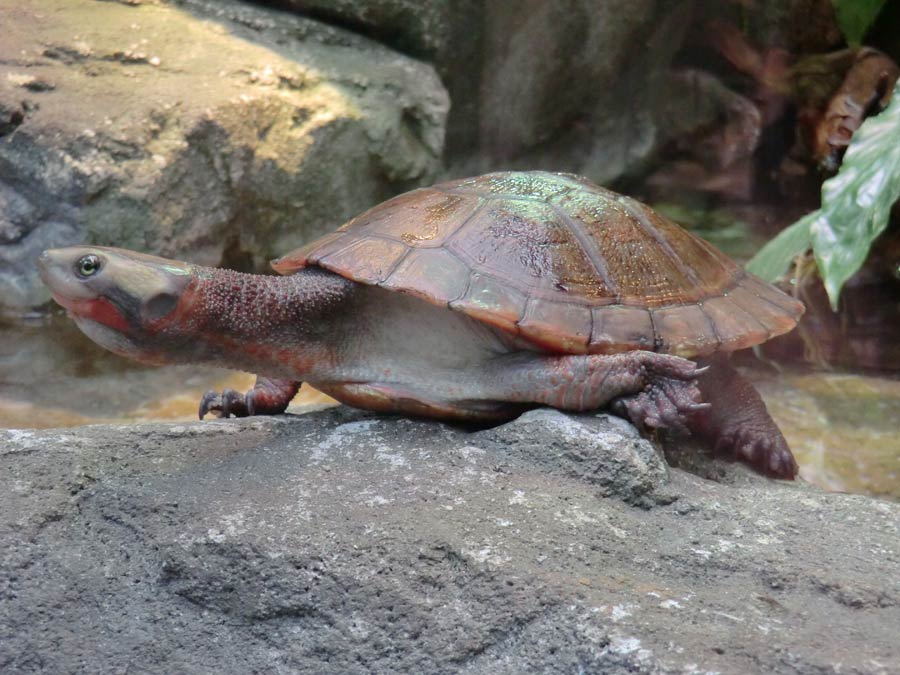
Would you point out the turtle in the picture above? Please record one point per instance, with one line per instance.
(469, 301)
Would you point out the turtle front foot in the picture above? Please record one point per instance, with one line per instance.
(268, 397)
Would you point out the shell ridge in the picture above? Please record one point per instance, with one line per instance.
(657, 337)
(316, 259)
(739, 272)
(771, 302)
(528, 301)
(589, 247)
(648, 228)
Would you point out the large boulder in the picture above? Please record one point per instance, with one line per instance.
(569, 85)
(342, 542)
(217, 131)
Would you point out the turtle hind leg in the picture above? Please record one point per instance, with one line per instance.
(739, 425)
(268, 397)
(652, 390)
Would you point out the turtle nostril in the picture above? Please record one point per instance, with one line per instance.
(45, 265)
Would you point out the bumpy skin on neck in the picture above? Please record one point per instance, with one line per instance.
(270, 325)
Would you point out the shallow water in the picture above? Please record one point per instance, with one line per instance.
(53, 376)
(843, 428)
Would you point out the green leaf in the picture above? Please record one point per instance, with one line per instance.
(856, 203)
(855, 17)
(856, 206)
(774, 258)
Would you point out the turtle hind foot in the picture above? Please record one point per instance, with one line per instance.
(268, 397)
(739, 427)
(665, 403)
(768, 453)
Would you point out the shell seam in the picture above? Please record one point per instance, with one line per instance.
(712, 325)
(648, 229)
(589, 248)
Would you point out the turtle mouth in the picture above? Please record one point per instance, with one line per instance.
(110, 338)
(69, 304)
(97, 310)
(75, 309)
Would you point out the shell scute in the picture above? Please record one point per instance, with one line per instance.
(433, 274)
(684, 331)
(525, 244)
(419, 219)
(620, 329)
(371, 260)
(735, 327)
(492, 301)
(561, 326)
(534, 185)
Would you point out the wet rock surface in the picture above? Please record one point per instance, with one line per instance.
(341, 542)
(216, 131)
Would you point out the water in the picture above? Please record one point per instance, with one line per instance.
(843, 428)
(53, 376)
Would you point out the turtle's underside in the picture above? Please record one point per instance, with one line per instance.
(474, 299)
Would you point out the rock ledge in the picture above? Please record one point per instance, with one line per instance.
(341, 542)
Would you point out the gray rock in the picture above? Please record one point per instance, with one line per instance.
(602, 450)
(560, 85)
(217, 131)
(342, 542)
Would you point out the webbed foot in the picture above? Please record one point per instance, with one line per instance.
(268, 397)
(650, 389)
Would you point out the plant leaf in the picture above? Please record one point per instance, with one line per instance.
(856, 203)
(855, 17)
(775, 257)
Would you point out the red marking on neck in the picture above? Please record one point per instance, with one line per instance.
(100, 310)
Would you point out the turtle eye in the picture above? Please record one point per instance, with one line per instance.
(88, 265)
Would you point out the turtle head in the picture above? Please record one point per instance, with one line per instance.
(126, 302)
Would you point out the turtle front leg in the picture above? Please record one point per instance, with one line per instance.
(268, 397)
(739, 424)
(652, 390)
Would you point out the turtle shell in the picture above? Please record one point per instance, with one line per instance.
(565, 264)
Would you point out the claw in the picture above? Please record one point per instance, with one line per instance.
(227, 404)
(250, 402)
(209, 404)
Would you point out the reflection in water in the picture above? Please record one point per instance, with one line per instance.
(53, 376)
(842, 428)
